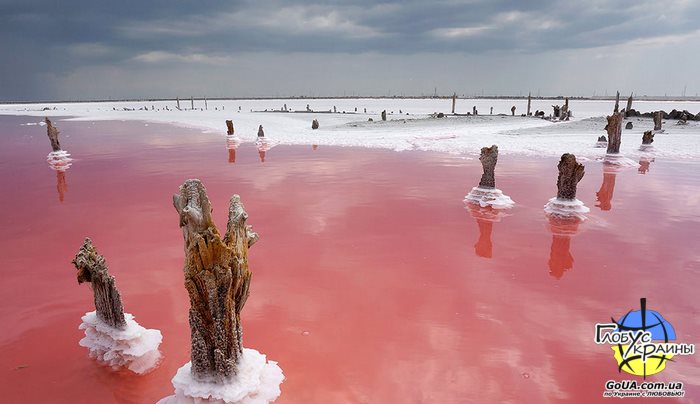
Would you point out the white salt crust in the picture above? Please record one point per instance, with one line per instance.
(492, 197)
(257, 382)
(134, 347)
(566, 208)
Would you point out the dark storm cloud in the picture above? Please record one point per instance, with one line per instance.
(43, 41)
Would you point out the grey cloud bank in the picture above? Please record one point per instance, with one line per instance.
(89, 50)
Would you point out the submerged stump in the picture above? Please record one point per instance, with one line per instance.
(614, 130)
(92, 268)
(261, 133)
(229, 127)
(384, 115)
(314, 124)
(488, 158)
(648, 137)
(52, 132)
(570, 173)
(217, 279)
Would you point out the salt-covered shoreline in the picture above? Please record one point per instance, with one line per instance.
(409, 125)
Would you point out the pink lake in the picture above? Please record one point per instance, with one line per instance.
(371, 281)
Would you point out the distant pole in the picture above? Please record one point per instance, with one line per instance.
(191, 102)
(206, 107)
(529, 101)
(454, 102)
(178, 103)
(629, 106)
(617, 103)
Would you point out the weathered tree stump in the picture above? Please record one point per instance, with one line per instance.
(491, 111)
(92, 268)
(178, 103)
(658, 116)
(648, 137)
(570, 173)
(529, 102)
(217, 279)
(454, 102)
(474, 111)
(229, 127)
(191, 102)
(614, 130)
(602, 139)
(512, 110)
(52, 132)
(261, 133)
(628, 108)
(629, 125)
(617, 103)
(488, 158)
(556, 113)
(564, 113)
(384, 115)
(314, 124)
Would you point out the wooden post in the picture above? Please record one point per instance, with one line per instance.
(178, 103)
(454, 102)
(314, 124)
(192, 102)
(261, 133)
(92, 268)
(217, 279)
(488, 158)
(206, 107)
(617, 103)
(570, 173)
(52, 133)
(628, 108)
(529, 102)
(658, 116)
(384, 115)
(564, 112)
(614, 129)
(512, 110)
(229, 127)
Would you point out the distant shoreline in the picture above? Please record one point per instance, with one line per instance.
(395, 97)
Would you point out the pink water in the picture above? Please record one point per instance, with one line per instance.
(371, 282)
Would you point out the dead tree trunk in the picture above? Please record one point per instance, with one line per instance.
(648, 137)
(488, 158)
(178, 103)
(658, 116)
(617, 103)
(384, 115)
(314, 124)
(512, 110)
(217, 279)
(628, 108)
(261, 133)
(570, 173)
(92, 268)
(529, 103)
(614, 129)
(191, 102)
(454, 102)
(564, 112)
(206, 107)
(229, 127)
(52, 132)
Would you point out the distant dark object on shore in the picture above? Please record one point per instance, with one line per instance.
(314, 124)
(261, 133)
(629, 125)
(674, 114)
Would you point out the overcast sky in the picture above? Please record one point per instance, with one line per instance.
(51, 49)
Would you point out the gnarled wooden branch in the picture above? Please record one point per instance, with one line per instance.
(217, 279)
(52, 132)
(92, 268)
(570, 173)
